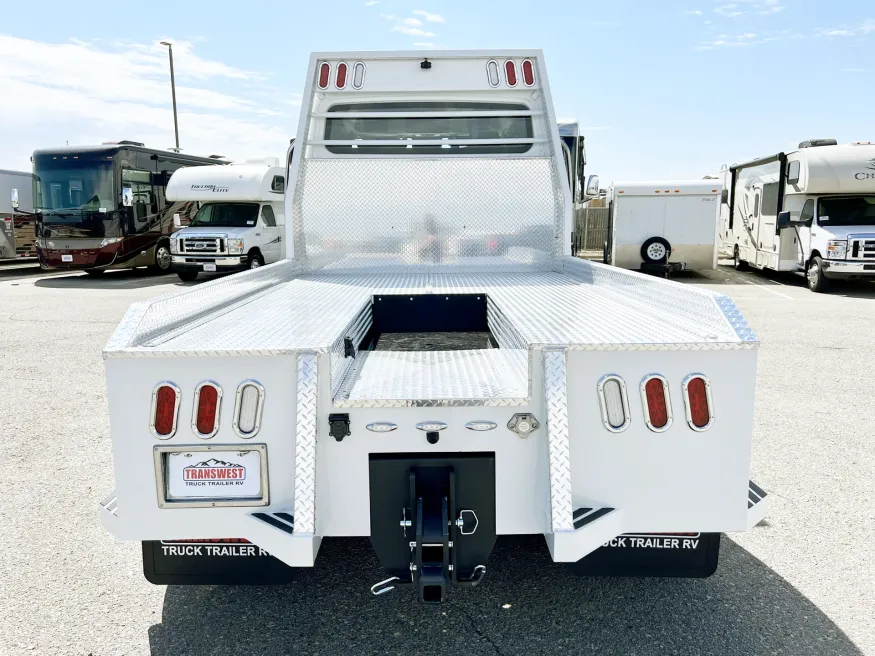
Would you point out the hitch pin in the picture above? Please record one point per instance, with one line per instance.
(383, 586)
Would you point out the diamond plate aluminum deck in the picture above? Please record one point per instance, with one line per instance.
(435, 378)
(587, 307)
(305, 445)
(558, 442)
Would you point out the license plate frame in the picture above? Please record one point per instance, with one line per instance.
(215, 480)
(66, 258)
(209, 267)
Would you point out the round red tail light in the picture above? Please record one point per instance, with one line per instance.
(324, 75)
(700, 413)
(165, 407)
(207, 398)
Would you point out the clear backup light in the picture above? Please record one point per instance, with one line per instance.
(248, 408)
(700, 407)
(656, 402)
(340, 75)
(205, 412)
(358, 75)
(510, 72)
(165, 410)
(492, 73)
(528, 73)
(324, 75)
(614, 403)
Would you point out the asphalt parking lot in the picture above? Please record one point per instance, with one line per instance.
(803, 582)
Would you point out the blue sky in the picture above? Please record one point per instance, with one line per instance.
(661, 89)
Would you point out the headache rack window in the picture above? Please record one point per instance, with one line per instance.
(411, 128)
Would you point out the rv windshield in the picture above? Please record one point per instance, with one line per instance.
(226, 215)
(412, 128)
(74, 182)
(847, 211)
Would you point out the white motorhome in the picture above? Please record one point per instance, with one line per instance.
(240, 223)
(399, 378)
(663, 226)
(810, 211)
(17, 223)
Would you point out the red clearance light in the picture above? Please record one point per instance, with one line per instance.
(205, 419)
(510, 72)
(700, 412)
(165, 408)
(657, 406)
(324, 75)
(528, 72)
(340, 76)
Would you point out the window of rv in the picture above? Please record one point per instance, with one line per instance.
(846, 211)
(412, 128)
(226, 215)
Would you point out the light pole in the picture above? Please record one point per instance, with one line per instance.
(173, 91)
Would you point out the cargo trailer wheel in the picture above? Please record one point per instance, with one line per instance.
(655, 250)
(255, 260)
(187, 276)
(817, 282)
(740, 265)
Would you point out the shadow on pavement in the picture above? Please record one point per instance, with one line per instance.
(125, 279)
(745, 608)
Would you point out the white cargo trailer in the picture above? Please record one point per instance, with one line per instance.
(431, 368)
(811, 211)
(17, 224)
(240, 222)
(663, 226)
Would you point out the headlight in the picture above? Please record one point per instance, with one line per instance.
(174, 246)
(110, 240)
(836, 249)
(235, 246)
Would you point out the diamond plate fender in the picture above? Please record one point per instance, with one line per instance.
(305, 445)
(558, 443)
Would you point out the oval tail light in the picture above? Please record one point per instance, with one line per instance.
(165, 410)
(340, 75)
(358, 75)
(700, 407)
(528, 73)
(510, 72)
(656, 402)
(248, 408)
(324, 75)
(614, 403)
(205, 417)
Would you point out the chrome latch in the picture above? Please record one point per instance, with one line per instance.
(467, 522)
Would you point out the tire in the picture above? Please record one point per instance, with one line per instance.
(817, 282)
(187, 276)
(740, 265)
(95, 273)
(655, 250)
(163, 259)
(255, 261)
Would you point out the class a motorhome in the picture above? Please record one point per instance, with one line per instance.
(810, 211)
(240, 222)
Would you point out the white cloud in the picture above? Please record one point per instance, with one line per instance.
(390, 17)
(412, 31)
(371, 3)
(742, 40)
(431, 18)
(853, 70)
(79, 92)
(424, 44)
(864, 29)
(412, 21)
(693, 12)
(749, 8)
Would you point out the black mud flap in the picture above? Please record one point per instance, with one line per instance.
(212, 562)
(432, 519)
(688, 555)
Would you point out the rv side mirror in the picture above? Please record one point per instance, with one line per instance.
(177, 222)
(127, 196)
(783, 220)
(592, 185)
(15, 199)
